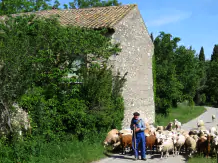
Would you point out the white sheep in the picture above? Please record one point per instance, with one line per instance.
(126, 131)
(213, 130)
(215, 143)
(180, 141)
(200, 123)
(160, 138)
(185, 133)
(166, 146)
(160, 128)
(177, 124)
(195, 137)
(213, 117)
(202, 128)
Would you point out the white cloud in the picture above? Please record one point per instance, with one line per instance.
(168, 18)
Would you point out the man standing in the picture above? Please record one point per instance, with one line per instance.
(139, 125)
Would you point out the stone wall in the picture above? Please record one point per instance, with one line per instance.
(136, 59)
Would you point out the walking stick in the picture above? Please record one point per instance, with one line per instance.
(134, 139)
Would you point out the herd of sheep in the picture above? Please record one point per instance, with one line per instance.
(170, 139)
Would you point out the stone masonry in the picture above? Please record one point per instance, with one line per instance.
(136, 59)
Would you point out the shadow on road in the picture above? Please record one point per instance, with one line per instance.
(119, 156)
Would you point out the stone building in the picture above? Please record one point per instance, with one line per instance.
(126, 27)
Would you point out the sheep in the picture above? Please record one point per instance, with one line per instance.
(201, 128)
(213, 117)
(166, 146)
(177, 124)
(111, 138)
(193, 132)
(180, 141)
(215, 144)
(151, 141)
(200, 123)
(195, 137)
(169, 127)
(115, 145)
(160, 128)
(160, 138)
(190, 145)
(184, 132)
(126, 131)
(152, 129)
(212, 130)
(147, 132)
(203, 133)
(125, 141)
(204, 145)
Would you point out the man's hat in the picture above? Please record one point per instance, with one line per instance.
(136, 114)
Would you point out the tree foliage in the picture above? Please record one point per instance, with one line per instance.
(180, 75)
(92, 3)
(18, 6)
(38, 55)
(152, 38)
(214, 56)
(168, 88)
(201, 55)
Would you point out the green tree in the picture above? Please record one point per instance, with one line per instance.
(168, 88)
(214, 56)
(152, 38)
(30, 55)
(18, 6)
(212, 83)
(187, 71)
(212, 78)
(201, 55)
(201, 86)
(92, 3)
(56, 4)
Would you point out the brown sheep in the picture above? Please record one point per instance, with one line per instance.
(147, 132)
(151, 141)
(204, 145)
(125, 141)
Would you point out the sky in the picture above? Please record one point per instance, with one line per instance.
(194, 21)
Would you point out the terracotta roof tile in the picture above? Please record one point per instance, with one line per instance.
(97, 17)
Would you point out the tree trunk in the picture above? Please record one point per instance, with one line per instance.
(5, 119)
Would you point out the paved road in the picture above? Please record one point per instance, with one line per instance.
(118, 158)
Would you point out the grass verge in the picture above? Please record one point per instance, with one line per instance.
(70, 152)
(182, 113)
(201, 160)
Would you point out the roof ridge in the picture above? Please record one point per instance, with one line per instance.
(94, 17)
(102, 7)
(90, 8)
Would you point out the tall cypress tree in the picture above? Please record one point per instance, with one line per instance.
(214, 56)
(152, 38)
(201, 55)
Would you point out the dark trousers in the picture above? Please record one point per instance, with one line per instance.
(140, 137)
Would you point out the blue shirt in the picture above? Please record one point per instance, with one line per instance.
(139, 124)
